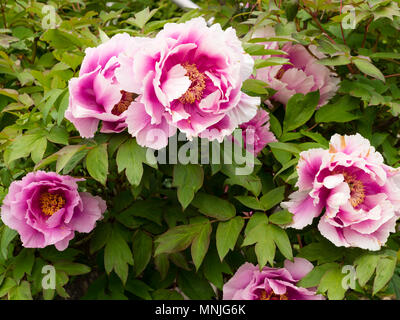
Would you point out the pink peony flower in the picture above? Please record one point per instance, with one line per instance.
(189, 77)
(46, 208)
(96, 94)
(360, 194)
(256, 132)
(303, 75)
(249, 283)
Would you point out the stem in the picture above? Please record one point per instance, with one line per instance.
(393, 75)
(34, 50)
(4, 16)
(299, 241)
(365, 32)
(341, 27)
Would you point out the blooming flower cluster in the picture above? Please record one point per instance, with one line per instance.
(359, 193)
(188, 77)
(249, 283)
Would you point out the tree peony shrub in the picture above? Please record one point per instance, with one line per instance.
(242, 151)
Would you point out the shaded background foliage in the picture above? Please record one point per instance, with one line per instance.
(179, 230)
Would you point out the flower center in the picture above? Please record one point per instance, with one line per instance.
(50, 203)
(272, 296)
(280, 73)
(357, 191)
(124, 103)
(195, 91)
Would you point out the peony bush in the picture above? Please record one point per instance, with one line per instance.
(239, 151)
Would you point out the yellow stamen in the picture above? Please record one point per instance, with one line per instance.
(50, 203)
(195, 91)
(272, 296)
(357, 190)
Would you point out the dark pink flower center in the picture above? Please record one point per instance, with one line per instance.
(50, 203)
(124, 103)
(195, 91)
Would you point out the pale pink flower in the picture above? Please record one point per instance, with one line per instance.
(303, 75)
(249, 283)
(360, 194)
(256, 133)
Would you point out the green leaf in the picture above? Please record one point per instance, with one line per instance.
(365, 267)
(49, 101)
(194, 286)
(213, 206)
(38, 149)
(254, 87)
(200, 244)
(178, 238)
(272, 198)
(189, 179)
(130, 157)
(338, 111)
(250, 202)
(258, 232)
(71, 268)
(6, 286)
(117, 255)
(331, 282)
(97, 163)
(256, 219)
(289, 147)
(265, 251)
(335, 61)
(162, 264)
(142, 249)
(299, 110)
(6, 237)
(384, 272)
(58, 135)
(281, 217)
(21, 292)
(23, 145)
(323, 251)
(368, 68)
(281, 240)
(139, 289)
(23, 263)
(227, 235)
(214, 268)
(313, 278)
(141, 18)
